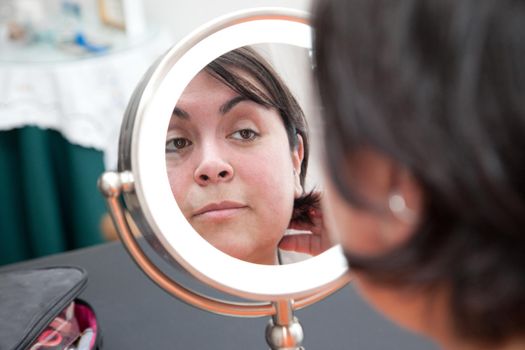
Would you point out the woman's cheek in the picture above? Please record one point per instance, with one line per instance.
(180, 179)
(270, 171)
(271, 178)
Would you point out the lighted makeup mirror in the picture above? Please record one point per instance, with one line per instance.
(142, 179)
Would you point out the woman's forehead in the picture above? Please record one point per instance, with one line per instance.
(204, 88)
(202, 84)
(203, 93)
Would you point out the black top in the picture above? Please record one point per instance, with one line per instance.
(136, 314)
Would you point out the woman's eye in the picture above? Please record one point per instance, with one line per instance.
(245, 135)
(177, 144)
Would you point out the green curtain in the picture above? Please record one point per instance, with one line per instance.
(49, 201)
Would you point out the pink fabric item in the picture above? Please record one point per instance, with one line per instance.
(86, 319)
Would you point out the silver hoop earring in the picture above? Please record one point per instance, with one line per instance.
(398, 207)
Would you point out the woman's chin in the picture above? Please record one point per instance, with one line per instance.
(254, 256)
(232, 238)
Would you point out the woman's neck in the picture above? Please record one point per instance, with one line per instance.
(266, 259)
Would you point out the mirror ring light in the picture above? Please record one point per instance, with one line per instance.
(150, 200)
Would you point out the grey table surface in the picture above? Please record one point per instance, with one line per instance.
(136, 314)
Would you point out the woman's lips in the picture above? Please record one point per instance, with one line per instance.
(218, 211)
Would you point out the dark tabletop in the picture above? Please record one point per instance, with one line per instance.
(136, 314)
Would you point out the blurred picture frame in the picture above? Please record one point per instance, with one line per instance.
(125, 15)
(112, 13)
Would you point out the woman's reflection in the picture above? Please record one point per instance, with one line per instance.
(237, 154)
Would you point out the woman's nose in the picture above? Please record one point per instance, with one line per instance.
(213, 169)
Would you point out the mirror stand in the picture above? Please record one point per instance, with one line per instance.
(283, 332)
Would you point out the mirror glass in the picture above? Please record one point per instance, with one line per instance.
(238, 152)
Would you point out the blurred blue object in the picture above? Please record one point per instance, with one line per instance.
(81, 40)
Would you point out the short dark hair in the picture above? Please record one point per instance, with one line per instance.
(439, 87)
(274, 93)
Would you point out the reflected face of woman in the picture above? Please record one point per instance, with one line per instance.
(231, 169)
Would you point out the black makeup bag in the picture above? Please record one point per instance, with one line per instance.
(39, 310)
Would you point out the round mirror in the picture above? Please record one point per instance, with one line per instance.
(216, 151)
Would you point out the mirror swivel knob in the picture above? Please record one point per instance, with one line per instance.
(286, 337)
(112, 183)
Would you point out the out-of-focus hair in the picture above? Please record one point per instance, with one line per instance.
(438, 86)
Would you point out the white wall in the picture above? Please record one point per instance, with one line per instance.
(180, 17)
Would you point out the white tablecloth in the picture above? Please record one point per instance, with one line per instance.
(83, 99)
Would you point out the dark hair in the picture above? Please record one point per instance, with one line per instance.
(438, 86)
(273, 93)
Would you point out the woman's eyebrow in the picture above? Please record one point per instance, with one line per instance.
(227, 106)
(179, 112)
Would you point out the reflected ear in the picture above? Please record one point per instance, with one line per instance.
(297, 160)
